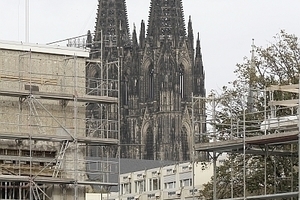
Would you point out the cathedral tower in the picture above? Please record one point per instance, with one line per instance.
(112, 29)
(110, 44)
(160, 74)
(162, 81)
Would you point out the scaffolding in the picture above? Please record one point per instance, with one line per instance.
(256, 133)
(45, 132)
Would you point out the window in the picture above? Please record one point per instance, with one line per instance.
(126, 188)
(125, 92)
(181, 81)
(154, 184)
(140, 186)
(170, 185)
(151, 83)
(136, 86)
(186, 182)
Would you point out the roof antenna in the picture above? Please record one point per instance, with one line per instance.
(251, 81)
(27, 21)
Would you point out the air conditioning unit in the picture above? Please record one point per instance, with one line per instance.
(157, 194)
(178, 192)
(190, 166)
(129, 176)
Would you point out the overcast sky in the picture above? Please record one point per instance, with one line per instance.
(226, 26)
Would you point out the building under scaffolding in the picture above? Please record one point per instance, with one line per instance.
(45, 130)
(266, 137)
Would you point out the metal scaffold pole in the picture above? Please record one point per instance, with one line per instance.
(298, 137)
(75, 129)
(193, 143)
(244, 153)
(26, 20)
(119, 118)
(214, 152)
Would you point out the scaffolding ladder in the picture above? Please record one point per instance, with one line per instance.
(60, 158)
(35, 192)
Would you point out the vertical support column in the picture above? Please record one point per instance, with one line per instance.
(214, 153)
(231, 161)
(196, 101)
(120, 62)
(215, 176)
(299, 137)
(30, 99)
(273, 110)
(27, 21)
(244, 152)
(265, 110)
(265, 170)
(101, 65)
(292, 169)
(75, 130)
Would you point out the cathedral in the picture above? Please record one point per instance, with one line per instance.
(161, 72)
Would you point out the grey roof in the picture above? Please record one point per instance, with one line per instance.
(133, 165)
(127, 166)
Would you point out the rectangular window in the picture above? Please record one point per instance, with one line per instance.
(170, 185)
(140, 186)
(156, 184)
(126, 188)
(150, 184)
(186, 182)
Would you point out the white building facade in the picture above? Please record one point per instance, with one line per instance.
(168, 182)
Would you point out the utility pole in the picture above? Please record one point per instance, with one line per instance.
(26, 21)
(214, 157)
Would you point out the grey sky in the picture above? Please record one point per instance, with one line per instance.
(226, 26)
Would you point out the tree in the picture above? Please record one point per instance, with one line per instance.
(278, 63)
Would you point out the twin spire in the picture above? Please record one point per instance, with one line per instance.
(112, 21)
(166, 18)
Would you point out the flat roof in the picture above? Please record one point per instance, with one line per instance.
(250, 142)
(43, 48)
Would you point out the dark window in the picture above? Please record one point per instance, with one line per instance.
(151, 83)
(181, 81)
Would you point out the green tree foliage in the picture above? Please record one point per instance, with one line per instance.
(276, 64)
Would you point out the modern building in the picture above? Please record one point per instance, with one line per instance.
(168, 182)
(165, 181)
(161, 72)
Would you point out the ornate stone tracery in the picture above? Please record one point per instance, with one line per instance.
(160, 75)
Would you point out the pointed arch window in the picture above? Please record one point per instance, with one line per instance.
(125, 91)
(181, 80)
(149, 145)
(151, 83)
(184, 143)
(136, 86)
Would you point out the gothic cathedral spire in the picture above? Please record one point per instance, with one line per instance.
(163, 128)
(112, 27)
(199, 75)
(166, 19)
(160, 74)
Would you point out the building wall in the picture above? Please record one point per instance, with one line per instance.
(46, 70)
(168, 182)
